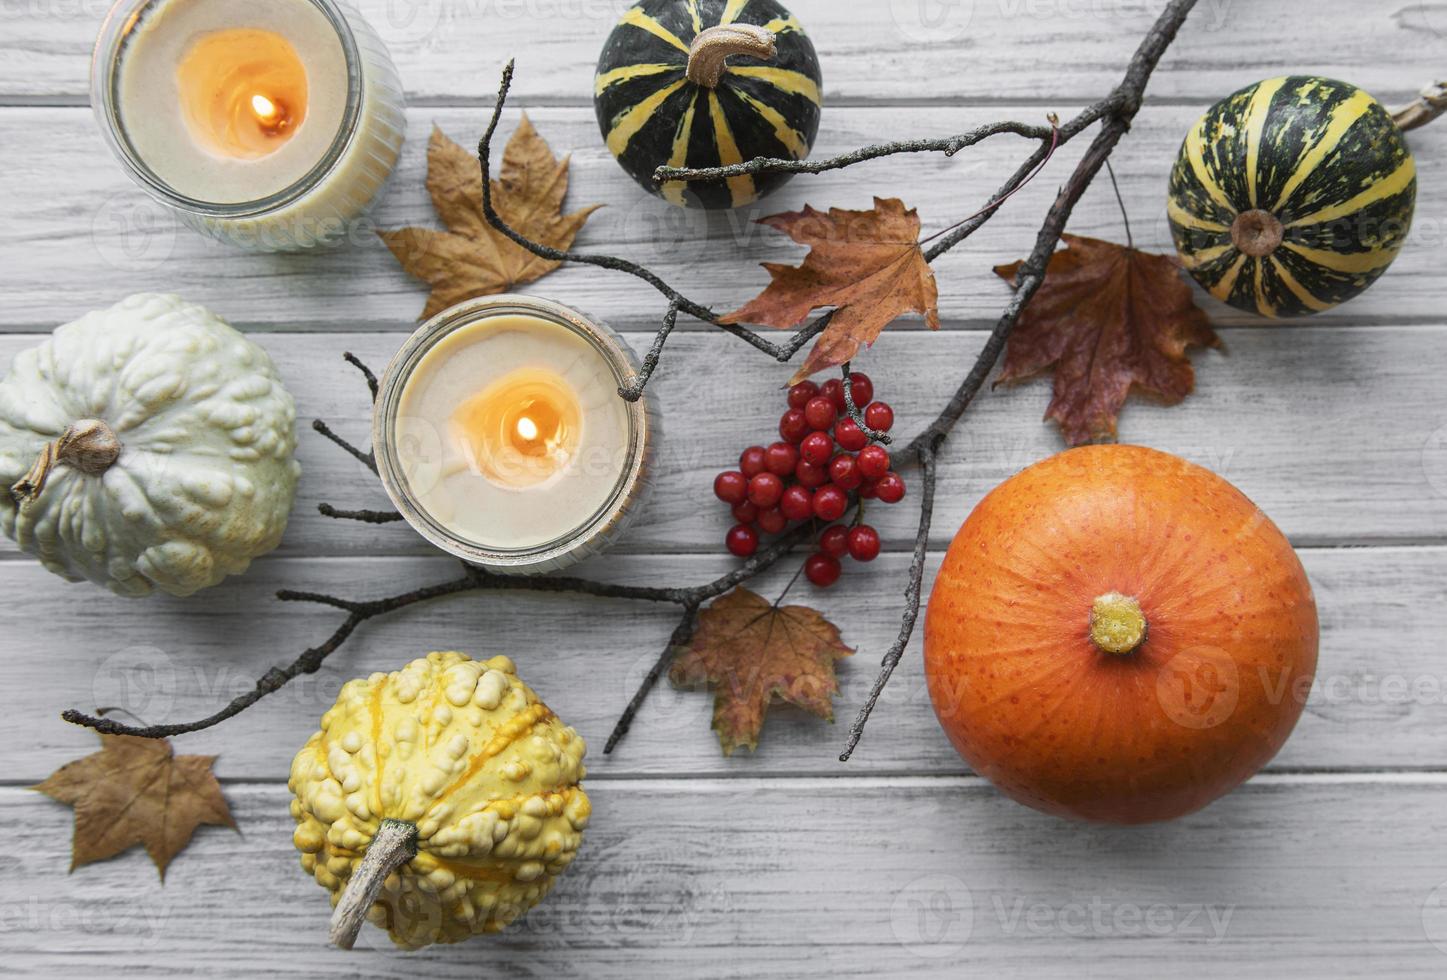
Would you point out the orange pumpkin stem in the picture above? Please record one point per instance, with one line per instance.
(1117, 625)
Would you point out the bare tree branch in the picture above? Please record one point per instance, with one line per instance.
(1114, 112)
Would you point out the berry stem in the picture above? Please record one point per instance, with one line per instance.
(856, 412)
(797, 572)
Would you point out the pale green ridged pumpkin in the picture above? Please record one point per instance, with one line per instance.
(146, 446)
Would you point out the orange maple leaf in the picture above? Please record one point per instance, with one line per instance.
(754, 653)
(472, 258)
(1107, 318)
(868, 265)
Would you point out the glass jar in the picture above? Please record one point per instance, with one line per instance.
(589, 537)
(322, 206)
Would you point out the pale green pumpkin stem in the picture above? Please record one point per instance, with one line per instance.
(393, 846)
(1117, 624)
(708, 55)
(88, 445)
(1426, 107)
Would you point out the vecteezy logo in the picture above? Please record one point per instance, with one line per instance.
(133, 233)
(1198, 688)
(1434, 917)
(933, 916)
(1429, 17)
(931, 21)
(141, 681)
(1434, 460)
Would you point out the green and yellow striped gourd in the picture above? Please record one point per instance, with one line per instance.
(1292, 195)
(707, 83)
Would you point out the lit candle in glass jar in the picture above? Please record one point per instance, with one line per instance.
(271, 124)
(500, 434)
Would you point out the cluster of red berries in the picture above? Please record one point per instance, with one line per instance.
(822, 457)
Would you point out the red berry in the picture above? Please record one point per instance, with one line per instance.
(861, 388)
(873, 462)
(772, 521)
(751, 461)
(745, 513)
(863, 543)
(889, 487)
(867, 490)
(833, 389)
(800, 394)
(816, 448)
(811, 475)
(830, 502)
(781, 458)
(793, 426)
(822, 570)
(834, 542)
(879, 417)
(820, 413)
(844, 471)
(731, 486)
(742, 540)
(797, 503)
(765, 489)
(849, 435)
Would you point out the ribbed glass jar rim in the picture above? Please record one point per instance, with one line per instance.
(104, 99)
(566, 548)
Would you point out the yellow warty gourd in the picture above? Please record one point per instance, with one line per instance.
(440, 801)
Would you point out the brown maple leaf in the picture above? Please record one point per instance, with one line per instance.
(868, 265)
(472, 258)
(754, 653)
(1106, 318)
(136, 791)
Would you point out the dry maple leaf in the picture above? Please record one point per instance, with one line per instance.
(868, 265)
(754, 653)
(136, 791)
(1106, 318)
(472, 258)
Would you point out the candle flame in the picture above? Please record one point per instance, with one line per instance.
(264, 108)
(527, 428)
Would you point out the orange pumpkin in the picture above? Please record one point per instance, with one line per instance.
(1119, 635)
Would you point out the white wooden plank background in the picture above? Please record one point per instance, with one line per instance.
(785, 863)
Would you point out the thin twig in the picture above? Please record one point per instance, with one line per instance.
(352, 359)
(634, 390)
(912, 590)
(949, 146)
(364, 516)
(1005, 195)
(676, 642)
(365, 458)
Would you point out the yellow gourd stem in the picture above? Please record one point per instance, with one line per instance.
(88, 445)
(393, 846)
(709, 53)
(1117, 625)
